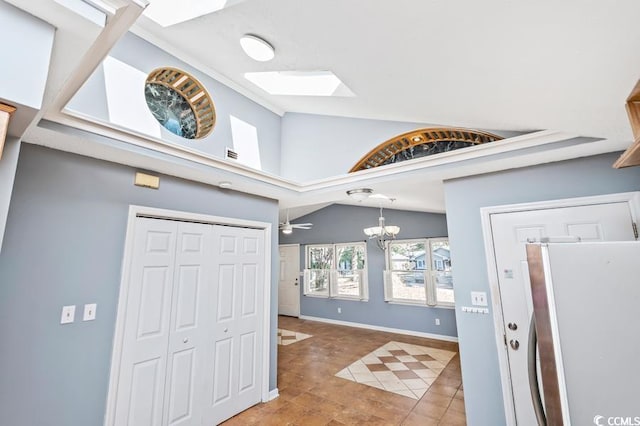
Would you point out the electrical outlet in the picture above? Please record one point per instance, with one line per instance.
(479, 298)
(89, 312)
(339, 310)
(437, 321)
(68, 314)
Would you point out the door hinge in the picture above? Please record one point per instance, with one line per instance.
(504, 336)
(635, 230)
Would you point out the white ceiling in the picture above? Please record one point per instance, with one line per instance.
(566, 66)
(494, 64)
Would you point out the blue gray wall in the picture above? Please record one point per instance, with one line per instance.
(320, 146)
(464, 198)
(341, 224)
(64, 246)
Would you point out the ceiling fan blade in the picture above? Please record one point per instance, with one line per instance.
(302, 224)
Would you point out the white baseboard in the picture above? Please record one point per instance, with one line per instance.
(273, 394)
(379, 328)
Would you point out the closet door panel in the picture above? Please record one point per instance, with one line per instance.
(184, 384)
(140, 393)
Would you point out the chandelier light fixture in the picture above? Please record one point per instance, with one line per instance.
(382, 232)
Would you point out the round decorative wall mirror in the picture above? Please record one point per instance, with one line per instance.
(180, 103)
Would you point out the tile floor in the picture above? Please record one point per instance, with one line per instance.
(287, 337)
(311, 394)
(398, 367)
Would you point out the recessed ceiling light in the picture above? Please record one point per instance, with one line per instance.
(299, 83)
(416, 138)
(257, 48)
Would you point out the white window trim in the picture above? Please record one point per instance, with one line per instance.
(431, 300)
(332, 290)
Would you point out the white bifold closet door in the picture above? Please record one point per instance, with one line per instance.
(192, 347)
(232, 379)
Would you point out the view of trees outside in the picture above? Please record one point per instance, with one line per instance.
(350, 262)
(320, 263)
(409, 262)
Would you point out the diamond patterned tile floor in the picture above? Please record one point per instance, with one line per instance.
(311, 394)
(398, 367)
(287, 337)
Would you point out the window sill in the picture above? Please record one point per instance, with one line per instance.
(423, 305)
(321, 296)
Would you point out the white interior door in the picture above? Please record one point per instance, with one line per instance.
(611, 222)
(289, 281)
(140, 391)
(233, 379)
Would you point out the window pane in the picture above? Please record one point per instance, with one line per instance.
(409, 256)
(408, 286)
(441, 264)
(320, 257)
(350, 259)
(318, 281)
(349, 283)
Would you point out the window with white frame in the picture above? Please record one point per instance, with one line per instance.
(336, 270)
(419, 272)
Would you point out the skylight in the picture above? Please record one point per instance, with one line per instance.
(95, 11)
(171, 12)
(299, 83)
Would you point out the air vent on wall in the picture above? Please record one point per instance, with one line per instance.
(230, 154)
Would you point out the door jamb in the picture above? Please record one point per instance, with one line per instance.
(298, 272)
(156, 213)
(632, 198)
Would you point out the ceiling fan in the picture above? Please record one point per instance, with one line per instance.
(287, 227)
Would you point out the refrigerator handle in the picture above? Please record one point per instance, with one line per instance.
(532, 364)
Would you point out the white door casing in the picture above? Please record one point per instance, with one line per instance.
(177, 308)
(289, 280)
(506, 230)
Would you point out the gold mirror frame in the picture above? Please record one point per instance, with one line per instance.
(381, 153)
(193, 93)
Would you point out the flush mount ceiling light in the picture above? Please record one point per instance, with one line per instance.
(225, 184)
(360, 194)
(257, 48)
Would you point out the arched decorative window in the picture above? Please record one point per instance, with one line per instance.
(420, 143)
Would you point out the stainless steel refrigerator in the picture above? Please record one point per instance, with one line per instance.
(586, 299)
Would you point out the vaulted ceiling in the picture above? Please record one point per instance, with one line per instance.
(499, 65)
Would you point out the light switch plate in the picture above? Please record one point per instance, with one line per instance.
(89, 312)
(479, 298)
(68, 314)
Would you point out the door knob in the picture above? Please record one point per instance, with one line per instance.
(185, 340)
(512, 326)
(514, 344)
(226, 329)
